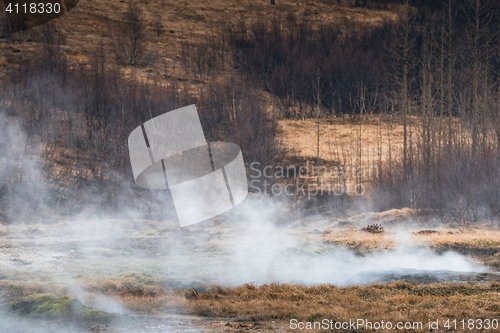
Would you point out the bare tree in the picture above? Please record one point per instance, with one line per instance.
(158, 27)
(479, 21)
(498, 120)
(450, 67)
(132, 35)
(51, 41)
(318, 114)
(5, 30)
(405, 46)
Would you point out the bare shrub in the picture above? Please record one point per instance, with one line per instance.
(373, 229)
(426, 232)
(204, 58)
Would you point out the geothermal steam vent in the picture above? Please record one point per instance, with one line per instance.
(170, 151)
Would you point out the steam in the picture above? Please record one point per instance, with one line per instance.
(20, 159)
(253, 243)
(96, 301)
(248, 245)
(260, 252)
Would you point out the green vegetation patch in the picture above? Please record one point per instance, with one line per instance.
(51, 306)
(487, 242)
(147, 281)
(140, 278)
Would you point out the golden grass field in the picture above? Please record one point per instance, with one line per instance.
(370, 145)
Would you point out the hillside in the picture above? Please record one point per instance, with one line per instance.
(95, 23)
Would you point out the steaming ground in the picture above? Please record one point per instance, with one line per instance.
(254, 244)
(248, 249)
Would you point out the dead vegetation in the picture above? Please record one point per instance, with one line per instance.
(373, 229)
(426, 232)
(392, 301)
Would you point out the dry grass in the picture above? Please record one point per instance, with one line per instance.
(14, 289)
(360, 241)
(140, 293)
(339, 139)
(133, 296)
(381, 144)
(436, 238)
(481, 244)
(397, 301)
(473, 238)
(276, 304)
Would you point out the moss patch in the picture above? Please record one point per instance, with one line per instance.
(51, 306)
(140, 278)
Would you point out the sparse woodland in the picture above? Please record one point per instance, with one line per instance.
(435, 70)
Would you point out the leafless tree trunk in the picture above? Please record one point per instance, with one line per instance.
(132, 34)
(475, 76)
(406, 102)
(441, 89)
(498, 120)
(450, 67)
(318, 113)
(158, 27)
(479, 20)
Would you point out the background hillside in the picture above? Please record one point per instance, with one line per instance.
(407, 88)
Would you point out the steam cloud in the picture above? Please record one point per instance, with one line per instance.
(248, 247)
